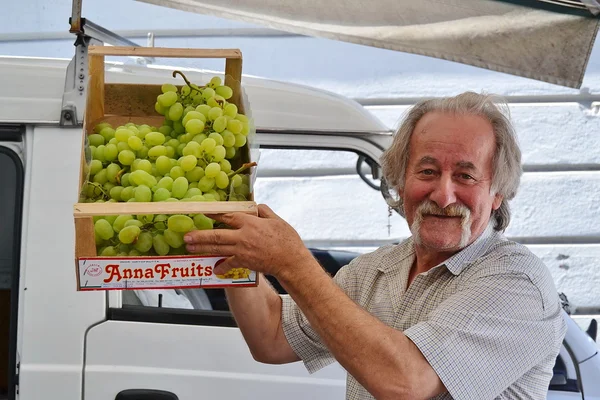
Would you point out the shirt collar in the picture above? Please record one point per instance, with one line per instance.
(459, 261)
(404, 253)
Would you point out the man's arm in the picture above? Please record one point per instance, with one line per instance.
(382, 359)
(257, 311)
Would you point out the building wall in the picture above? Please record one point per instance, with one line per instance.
(556, 213)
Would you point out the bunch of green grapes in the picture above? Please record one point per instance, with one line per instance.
(195, 155)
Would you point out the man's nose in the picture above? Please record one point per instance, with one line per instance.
(444, 192)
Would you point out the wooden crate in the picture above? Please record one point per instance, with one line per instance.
(118, 104)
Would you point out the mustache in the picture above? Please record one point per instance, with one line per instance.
(429, 207)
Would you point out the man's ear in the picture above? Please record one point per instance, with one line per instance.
(498, 198)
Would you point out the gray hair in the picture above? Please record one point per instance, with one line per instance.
(507, 155)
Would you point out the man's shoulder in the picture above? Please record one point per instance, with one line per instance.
(505, 256)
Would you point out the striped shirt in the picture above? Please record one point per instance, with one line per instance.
(488, 320)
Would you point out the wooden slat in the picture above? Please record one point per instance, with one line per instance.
(233, 79)
(85, 210)
(94, 108)
(163, 52)
(85, 245)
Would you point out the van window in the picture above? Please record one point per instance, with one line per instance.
(11, 182)
(337, 214)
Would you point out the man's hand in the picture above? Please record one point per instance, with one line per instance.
(265, 243)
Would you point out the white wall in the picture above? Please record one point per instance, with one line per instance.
(557, 211)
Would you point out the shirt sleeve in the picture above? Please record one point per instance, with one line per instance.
(484, 337)
(303, 339)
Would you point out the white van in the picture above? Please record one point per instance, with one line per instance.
(65, 344)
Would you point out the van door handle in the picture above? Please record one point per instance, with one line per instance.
(145, 394)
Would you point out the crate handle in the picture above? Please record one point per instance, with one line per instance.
(164, 52)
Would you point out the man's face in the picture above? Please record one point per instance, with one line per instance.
(446, 195)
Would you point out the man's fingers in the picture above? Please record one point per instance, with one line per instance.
(211, 249)
(264, 211)
(235, 220)
(212, 237)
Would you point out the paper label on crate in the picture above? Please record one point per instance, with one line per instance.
(113, 273)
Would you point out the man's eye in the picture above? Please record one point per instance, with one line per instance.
(427, 172)
(466, 176)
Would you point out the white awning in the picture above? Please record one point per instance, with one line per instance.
(537, 39)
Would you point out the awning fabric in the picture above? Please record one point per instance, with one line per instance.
(536, 39)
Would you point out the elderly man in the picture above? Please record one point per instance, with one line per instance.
(455, 311)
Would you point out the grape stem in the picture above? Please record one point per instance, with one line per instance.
(195, 87)
(242, 169)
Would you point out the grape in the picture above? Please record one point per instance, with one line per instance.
(108, 251)
(176, 172)
(188, 163)
(228, 138)
(168, 87)
(230, 152)
(165, 182)
(161, 194)
(119, 222)
(214, 82)
(126, 157)
(96, 139)
(143, 194)
(234, 126)
(203, 109)
(110, 152)
(135, 143)
(208, 145)
(212, 170)
(180, 187)
(144, 165)
(220, 124)
(208, 93)
(214, 113)
(194, 126)
(193, 115)
(219, 153)
(107, 133)
(167, 99)
(161, 247)
(224, 91)
(157, 151)
(221, 180)
(191, 192)
(144, 242)
(95, 167)
(165, 130)
(135, 222)
(122, 134)
(225, 166)
(127, 193)
(206, 183)
(230, 110)
(240, 140)
(195, 174)
(236, 181)
(155, 138)
(111, 172)
(175, 112)
(141, 177)
(180, 223)
(103, 229)
(173, 239)
(201, 221)
(115, 192)
(100, 177)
